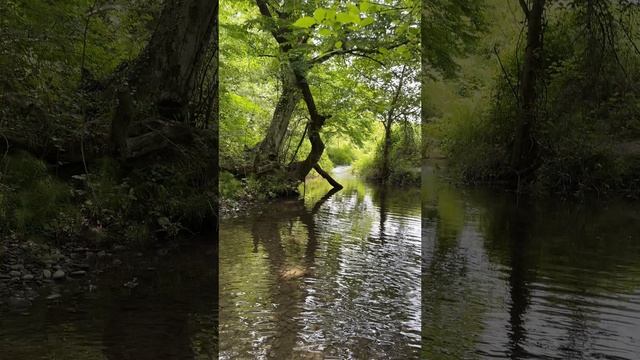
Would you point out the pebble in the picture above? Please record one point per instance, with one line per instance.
(117, 262)
(102, 253)
(59, 275)
(54, 296)
(79, 273)
(15, 273)
(46, 274)
(27, 277)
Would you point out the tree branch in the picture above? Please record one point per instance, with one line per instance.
(525, 8)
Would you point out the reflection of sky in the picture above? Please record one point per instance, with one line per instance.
(360, 295)
(492, 289)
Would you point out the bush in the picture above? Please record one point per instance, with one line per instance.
(404, 159)
(33, 202)
(341, 155)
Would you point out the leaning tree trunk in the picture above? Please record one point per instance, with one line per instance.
(298, 171)
(524, 151)
(271, 146)
(166, 71)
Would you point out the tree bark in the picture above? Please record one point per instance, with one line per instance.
(166, 71)
(271, 146)
(326, 176)
(524, 151)
(301, 169)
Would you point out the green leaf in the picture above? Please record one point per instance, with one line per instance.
(364, 6)
(305, 22)
(343, 18)
(338, 44)
(325, 32)
(330, 15)
(366, 21)
(319, 14)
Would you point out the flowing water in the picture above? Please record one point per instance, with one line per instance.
(327, 276)
(337, 276)
(510, 278)
(154, 306)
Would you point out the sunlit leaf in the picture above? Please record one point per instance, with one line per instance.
(319, 14)
(305, 22)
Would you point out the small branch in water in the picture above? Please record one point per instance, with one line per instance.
(327, 177)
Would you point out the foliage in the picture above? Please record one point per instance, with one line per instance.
(344, 50)
(341, 154)
(405, 158)
(34, 203)
(588, 109)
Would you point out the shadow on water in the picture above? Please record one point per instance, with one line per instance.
(331, 275)
(154, 306)
(519, 279)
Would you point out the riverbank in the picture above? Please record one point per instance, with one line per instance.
(31, 271)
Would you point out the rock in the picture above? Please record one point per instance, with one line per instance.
(102, 253)
(79, 273)
(17, 267)
(54, 296)
(46, 274)
(117, 262)
(118, 247)
(27, 277)
(18, 302)
(59, 275)
(15, 273)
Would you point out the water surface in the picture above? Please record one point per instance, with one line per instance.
(155, 306)
(326, 276)
(517, 279)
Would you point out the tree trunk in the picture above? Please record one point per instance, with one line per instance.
(301, 169)
(271, 146)
(166, 71)
(386, 149)
(326, 176)
(524, 150)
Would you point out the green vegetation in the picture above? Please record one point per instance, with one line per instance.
(101, 138)
(562, 117)
(309, 85)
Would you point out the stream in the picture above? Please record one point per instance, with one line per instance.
(326, 276)
(509, 278)
(441, 272)
(157, 305)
